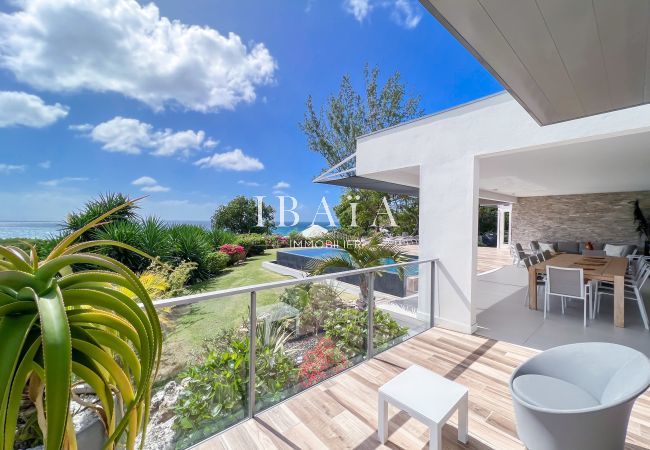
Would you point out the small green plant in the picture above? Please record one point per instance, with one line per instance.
(348, 328)
(642, 224)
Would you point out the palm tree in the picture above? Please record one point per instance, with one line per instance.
(371, 254)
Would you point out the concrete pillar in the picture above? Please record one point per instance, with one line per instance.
(449, 231)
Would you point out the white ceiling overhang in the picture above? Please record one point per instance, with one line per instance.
(615, 164)
(561, 59)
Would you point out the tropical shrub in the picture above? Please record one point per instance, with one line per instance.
(127, 232)
(216, 389)
(220, 237)
(295, 238)
(323, 300)
(56, 323)
(280, 241)
(321, 362)
(175, 277)
(154, 238)
(296, 296)
(99, 207)
(348, 328)
(253, 243)
(191, 243)
(275, 241)
(217, 261)
(235, 252)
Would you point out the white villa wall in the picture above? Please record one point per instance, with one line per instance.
(446, 146)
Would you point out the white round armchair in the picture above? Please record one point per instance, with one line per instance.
(578, 396)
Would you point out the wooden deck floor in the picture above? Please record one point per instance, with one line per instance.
(487, 258)
(342, 412)
(490, 258)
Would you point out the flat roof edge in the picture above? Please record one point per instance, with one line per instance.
(439, 114)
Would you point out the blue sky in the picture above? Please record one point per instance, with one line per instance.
(195, 102)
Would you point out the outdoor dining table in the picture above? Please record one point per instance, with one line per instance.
(606, 268)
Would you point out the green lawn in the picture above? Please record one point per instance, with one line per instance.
(192, 324)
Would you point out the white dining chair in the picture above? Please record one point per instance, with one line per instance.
(566, 282)
(632, 291)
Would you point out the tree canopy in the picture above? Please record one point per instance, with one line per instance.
(333, 130)
(370, 210)
(240, 216)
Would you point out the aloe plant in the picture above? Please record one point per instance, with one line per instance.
(57, 323)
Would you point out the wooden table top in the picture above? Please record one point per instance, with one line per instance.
(595, 267)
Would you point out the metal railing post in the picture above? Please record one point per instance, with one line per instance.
(252, 355)
(370, 347)
(433, 293)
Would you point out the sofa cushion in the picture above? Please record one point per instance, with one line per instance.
(550, 246)
(552, 393)
(568, 247)
(618, 249)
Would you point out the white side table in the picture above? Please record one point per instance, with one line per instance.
(428, 397)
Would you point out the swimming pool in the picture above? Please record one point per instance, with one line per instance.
(328, 252)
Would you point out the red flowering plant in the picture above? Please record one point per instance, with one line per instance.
(235, 252)
(321, 362)
(282, 241)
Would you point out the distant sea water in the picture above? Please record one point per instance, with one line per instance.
(44, 230)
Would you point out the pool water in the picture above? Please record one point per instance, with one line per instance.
(328, 252)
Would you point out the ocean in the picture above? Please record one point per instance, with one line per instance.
(44, 230)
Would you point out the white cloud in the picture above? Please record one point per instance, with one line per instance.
(248, 183)
(21, 108)
(81, 127)
(121, 134)
(59, 181)
(234, 160)
(11, 168)
(281, 185)
(405, 13)
(358, 8)
(210, 143)
(45, 164)
(144, 181)
(156, 188)
(124, 47)
(149, 184)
